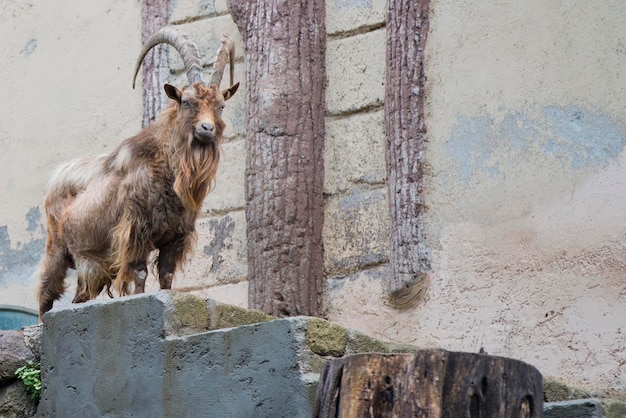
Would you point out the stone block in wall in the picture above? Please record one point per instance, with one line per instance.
(235, 294)
(350, 15)
(184, 10)
(127, 356)
(235, 113)
(220, 255)
(355, 69)
(206, 33)
(228, 193)
(354, 151)
(356, 231)
(358, 300)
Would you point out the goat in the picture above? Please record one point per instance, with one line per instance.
(105, 214)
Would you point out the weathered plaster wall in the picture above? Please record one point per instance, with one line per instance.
(524, 177)
(66, 83)
(525, 191)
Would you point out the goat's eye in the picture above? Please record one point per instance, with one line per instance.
(185, 104)
(221, 107)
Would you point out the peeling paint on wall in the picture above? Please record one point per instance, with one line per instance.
(582, 138)
(18, 262)
(223, 232)
(571, 136)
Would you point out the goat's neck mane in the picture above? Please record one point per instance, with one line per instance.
(192, 163)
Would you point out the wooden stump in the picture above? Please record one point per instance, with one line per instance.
(429, 383)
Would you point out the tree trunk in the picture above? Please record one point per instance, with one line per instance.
(407, 27)
(429, 384)
(285, 45)
(154, 16)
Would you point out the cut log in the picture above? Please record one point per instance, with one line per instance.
(429, 384)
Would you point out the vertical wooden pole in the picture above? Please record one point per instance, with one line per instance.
(285, 47)
(154, 16)
(407, 28)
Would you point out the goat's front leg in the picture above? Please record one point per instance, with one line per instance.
(139, 273)
(169, 257)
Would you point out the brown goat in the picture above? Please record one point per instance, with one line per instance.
(106, 214)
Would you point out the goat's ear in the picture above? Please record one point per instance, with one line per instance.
(229, 92)
(172, 92)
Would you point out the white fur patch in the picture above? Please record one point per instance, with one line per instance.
(75, 174)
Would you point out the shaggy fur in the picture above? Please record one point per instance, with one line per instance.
(106, 214)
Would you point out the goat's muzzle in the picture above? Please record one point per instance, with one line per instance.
(204, 132)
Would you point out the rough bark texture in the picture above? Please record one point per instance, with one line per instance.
(407, 27)
(154, 16)
(429, 384)
(285, 45)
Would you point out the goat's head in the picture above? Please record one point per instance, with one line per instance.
(199, 104)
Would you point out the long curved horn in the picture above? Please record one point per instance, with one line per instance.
(226, 52)
(187, 50)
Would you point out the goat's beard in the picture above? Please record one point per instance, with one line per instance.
(195, 172)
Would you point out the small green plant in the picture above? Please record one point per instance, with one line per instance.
(31, 376)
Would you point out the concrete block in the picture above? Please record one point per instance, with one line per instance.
(579, 408)
(137, 367)
(248, 371)
(350, 15)
(184, 10)
(220, 256)
(360, 60)
(105, 358)
(229, 193)
(355, 151)
(356, 231)
(151, 355)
